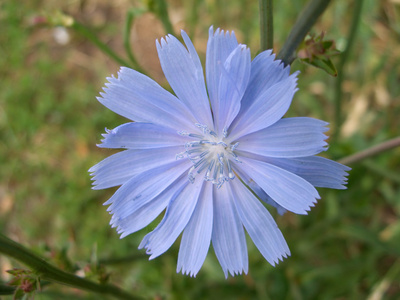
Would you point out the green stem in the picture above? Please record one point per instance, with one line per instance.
(266, 25)
(84, 31)
(193, 16)
(51, 273)
(130, 16)
(162, 12)
(372, 151)
(356, 13)
(303, 24)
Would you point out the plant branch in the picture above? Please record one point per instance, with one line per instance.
(266, 25)
(51, 273)
(308, 17)
(130, 16)
(343, 59)
(87, 33)
(369, 152)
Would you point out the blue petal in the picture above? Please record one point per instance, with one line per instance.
(287, 189)
(259, 191)
(319, 171)
(269, 107)
(235, 73)
(119, 168)
(183, 70)
(291, 137)
(265, 73)
(145, 186)
(228, 236)
(141, 136)
(139, 98)
(146, 212)
(197, 235)
(260, 225)
(220, 45)
(179, 212)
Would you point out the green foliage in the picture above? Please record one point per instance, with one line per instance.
(346, 248)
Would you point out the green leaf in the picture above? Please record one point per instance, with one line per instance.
(323, 64)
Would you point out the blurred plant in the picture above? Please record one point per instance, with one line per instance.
(26, 283)
(317, 52)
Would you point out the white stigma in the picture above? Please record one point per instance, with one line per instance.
(210, 155)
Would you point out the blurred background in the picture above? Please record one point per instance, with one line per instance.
(347, 247)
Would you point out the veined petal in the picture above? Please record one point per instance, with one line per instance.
(319, 171)
(183, 70)
(235, 74)
(139, 98)
(260, 225)
(141, 136)
(147, 186)
(220, 45)
(259, 191)
(291, 137)
(287, 189)
(148, 211)
(120, 167)
(266, 109)
(177, 216)
(228, 236)
(197, 235)
(265, 73)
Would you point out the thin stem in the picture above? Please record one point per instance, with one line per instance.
(374, 150)
(266, 25)
(84, 31)
(162, 12)
(303, 24)
(356, 13)
(130, 16)
(51, 273)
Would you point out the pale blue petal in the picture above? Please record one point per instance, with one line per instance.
(183, 70)
(144, 214)
(177, 216)
(287, 189)
(319, 171)
(139, 98)
(197, 235)
(266, 109)
(145, 186)
(259, 191)
(220, 45)
(260, 225)
(291, 137)
(118, 168)
(235, 73)
(228, 236)
(265, 72)
(141, 136)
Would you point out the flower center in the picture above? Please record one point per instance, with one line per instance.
(210, 155)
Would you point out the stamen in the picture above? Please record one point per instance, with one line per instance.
(234, 146)
(225, 132)
(230, 173)
(210, 155)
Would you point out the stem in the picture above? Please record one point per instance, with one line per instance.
(130, 16)
(162, 12)
(372, 151)
(303, 24)
(51, 273)
(343, 59)
(266, 25)
(84, 31)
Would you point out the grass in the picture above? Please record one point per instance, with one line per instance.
(346, 248)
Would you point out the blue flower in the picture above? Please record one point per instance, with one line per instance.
(207, 156)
